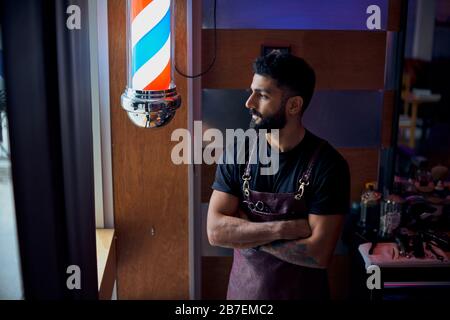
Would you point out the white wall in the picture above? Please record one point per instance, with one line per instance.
(101, 121)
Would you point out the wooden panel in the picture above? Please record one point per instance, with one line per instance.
(342, 59)
(394, 15)
(106, 256)
(387, 117)
(149, 190)
(215, 275)
(363, 163)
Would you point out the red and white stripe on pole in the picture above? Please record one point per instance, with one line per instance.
(150, 36)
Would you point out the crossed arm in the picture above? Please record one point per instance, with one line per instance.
(314, 251)
(227, 228)
(309, 243)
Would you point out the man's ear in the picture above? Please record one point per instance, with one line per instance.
(295, 105)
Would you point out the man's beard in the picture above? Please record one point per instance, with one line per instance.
(276, 121)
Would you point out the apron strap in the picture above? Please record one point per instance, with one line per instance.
(247, 177)
(304, 179)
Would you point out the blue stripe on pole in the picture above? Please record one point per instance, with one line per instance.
(151, 43)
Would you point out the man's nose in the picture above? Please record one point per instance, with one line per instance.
(250, 103)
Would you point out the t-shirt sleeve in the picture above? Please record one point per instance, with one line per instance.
(225, 179)
(331, 194)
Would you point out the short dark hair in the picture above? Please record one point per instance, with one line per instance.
(290, 72)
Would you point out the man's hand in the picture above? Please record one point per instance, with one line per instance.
(289, 229)
(314, 251)
(295, 229)
(243, 215)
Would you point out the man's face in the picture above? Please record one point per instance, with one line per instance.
(266, 104)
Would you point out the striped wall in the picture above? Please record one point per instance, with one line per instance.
(352, 107)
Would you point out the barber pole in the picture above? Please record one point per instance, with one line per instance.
(150, 38)
(150, 98)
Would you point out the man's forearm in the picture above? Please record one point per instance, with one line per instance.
(235, 232)
(297, 252)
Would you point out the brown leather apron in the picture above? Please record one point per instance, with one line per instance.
(257, 275)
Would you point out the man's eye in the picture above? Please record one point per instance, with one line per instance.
(264, 97)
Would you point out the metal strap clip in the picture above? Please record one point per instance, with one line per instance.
(246, 185)
(303, 182)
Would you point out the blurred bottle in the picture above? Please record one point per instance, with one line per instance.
(410, 188)
(370, 208)
(424, 180)
(390, 215)
(423, 177)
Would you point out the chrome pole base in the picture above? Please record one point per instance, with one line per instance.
(151, 109)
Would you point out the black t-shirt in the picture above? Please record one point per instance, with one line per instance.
(329, 188)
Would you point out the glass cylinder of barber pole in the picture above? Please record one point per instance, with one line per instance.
(150, 98)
